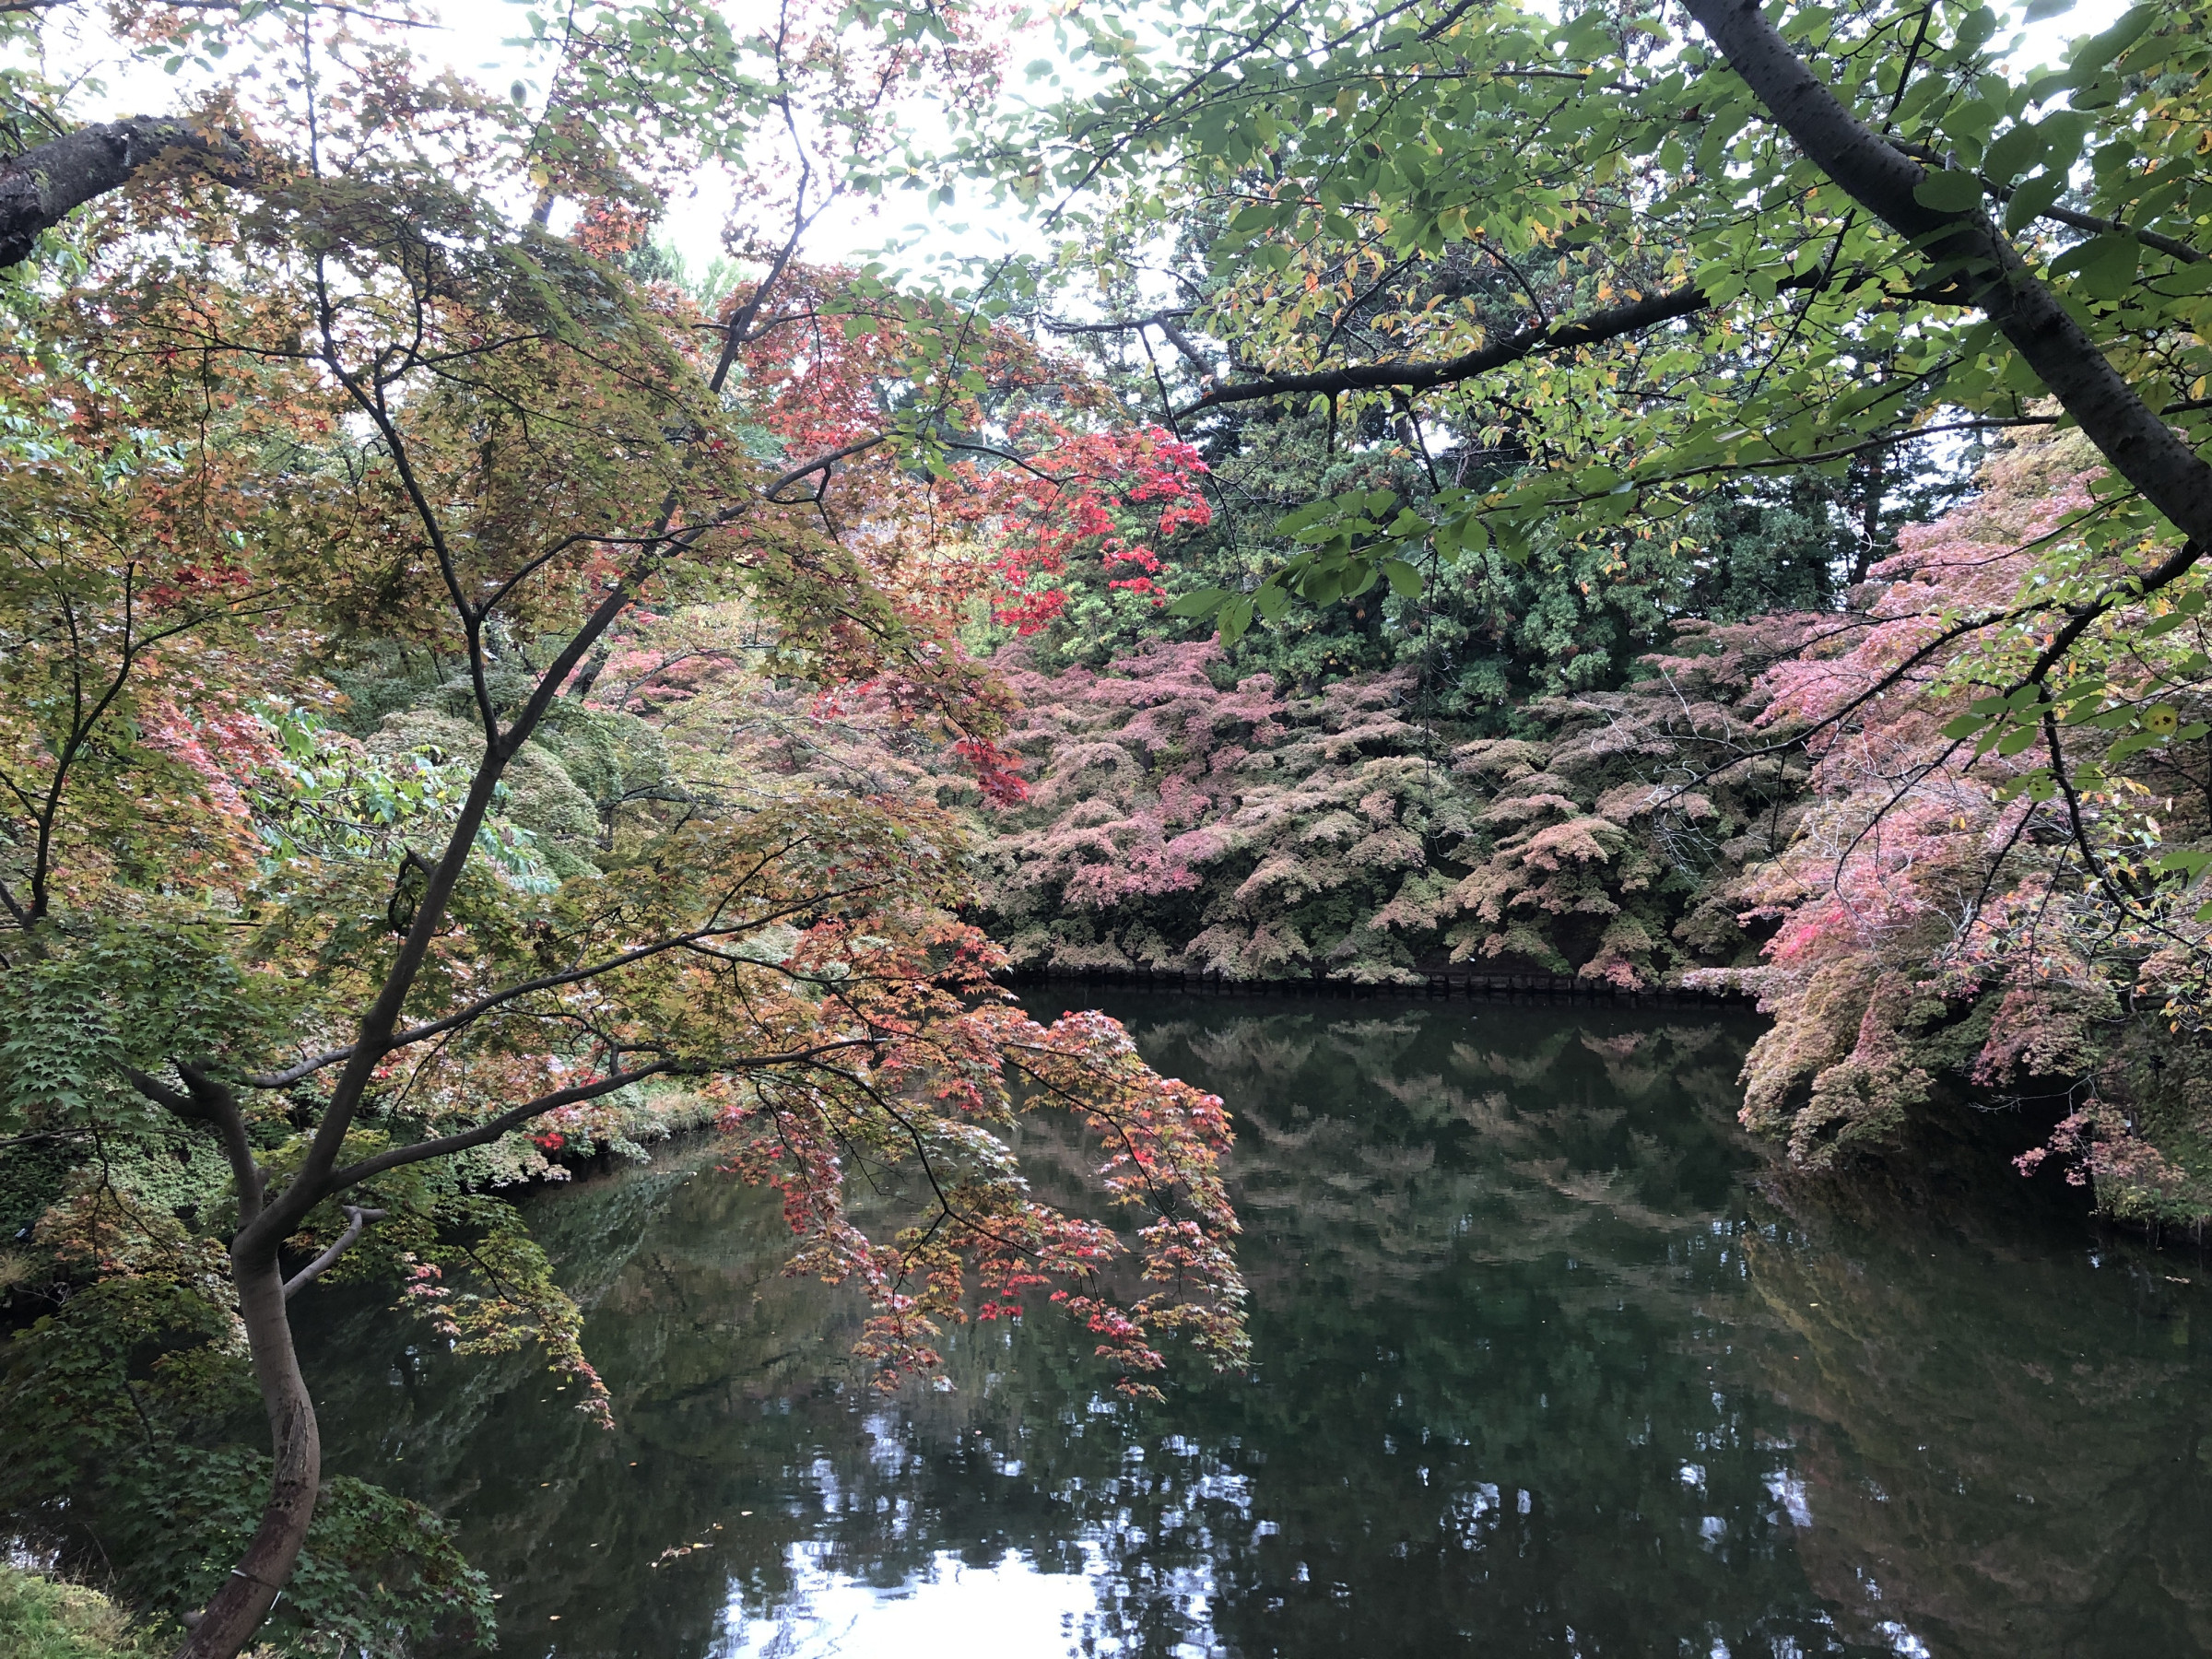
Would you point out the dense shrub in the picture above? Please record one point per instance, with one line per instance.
(1819, 807)
(1173, 823)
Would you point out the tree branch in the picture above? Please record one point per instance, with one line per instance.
(1165, 321)
(514, 1117)
(819, 464)
(491, 1128)
(2153, 240)
(42, 186)
(357, 1222)
(205, 1101)
(1592, 329)
(1992, 274)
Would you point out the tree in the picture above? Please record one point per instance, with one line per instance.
(1626, 258)
(1780, 248)
(357, 424)
(1947, 911)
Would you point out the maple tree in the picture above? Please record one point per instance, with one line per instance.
(1173, 824)
(1810, 807)
(1078, 527)
(470, 698)
(1259, 833)
(2015, 913)
(381, 569)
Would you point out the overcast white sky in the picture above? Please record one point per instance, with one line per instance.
(471, 37)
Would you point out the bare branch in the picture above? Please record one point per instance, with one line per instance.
(356, 1221)
(821, 464)
(1592, 329)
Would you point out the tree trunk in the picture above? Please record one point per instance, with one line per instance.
(1991, 273)
(234, 1613)
(1876, 480)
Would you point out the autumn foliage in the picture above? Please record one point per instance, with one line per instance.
(1811, 808)
(462, 698)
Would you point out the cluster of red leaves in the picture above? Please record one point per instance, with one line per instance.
(1112, 496)
(208, 729)
(950, 1065)
(812, 379)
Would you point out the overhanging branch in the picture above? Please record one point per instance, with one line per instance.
(42, 186)
(1593, 328)
(1989, 270)
(356, 1221)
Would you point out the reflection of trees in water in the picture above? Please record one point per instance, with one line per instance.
(2002, 1422)
(1525, 1362)
(714, 1360)
(1475, 1412)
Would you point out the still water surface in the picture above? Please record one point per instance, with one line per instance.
(1550, 1360)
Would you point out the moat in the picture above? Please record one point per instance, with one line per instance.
(1550, 1359)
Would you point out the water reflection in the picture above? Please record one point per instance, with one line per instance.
(1549, 1361)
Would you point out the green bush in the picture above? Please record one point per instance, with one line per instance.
(43, 1618)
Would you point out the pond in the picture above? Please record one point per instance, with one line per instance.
(1549, 1360)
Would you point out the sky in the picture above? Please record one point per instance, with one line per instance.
(474, 38)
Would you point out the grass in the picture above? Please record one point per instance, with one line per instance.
(44, 1619)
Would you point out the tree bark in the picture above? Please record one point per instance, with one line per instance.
(1876, 480)
(42, 186)
(1991, 273)
(235, 1610)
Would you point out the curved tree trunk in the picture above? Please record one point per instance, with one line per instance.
(234, 1613)
(42, 186)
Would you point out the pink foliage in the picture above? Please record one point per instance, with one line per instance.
(1175, 822)
(1930, 913)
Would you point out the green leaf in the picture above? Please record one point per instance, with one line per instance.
(2107, 265)
(1204, 603)
(2015, 153)
(1405, 581)
(2095, 53)
(1949, 191)
(1970, 122)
